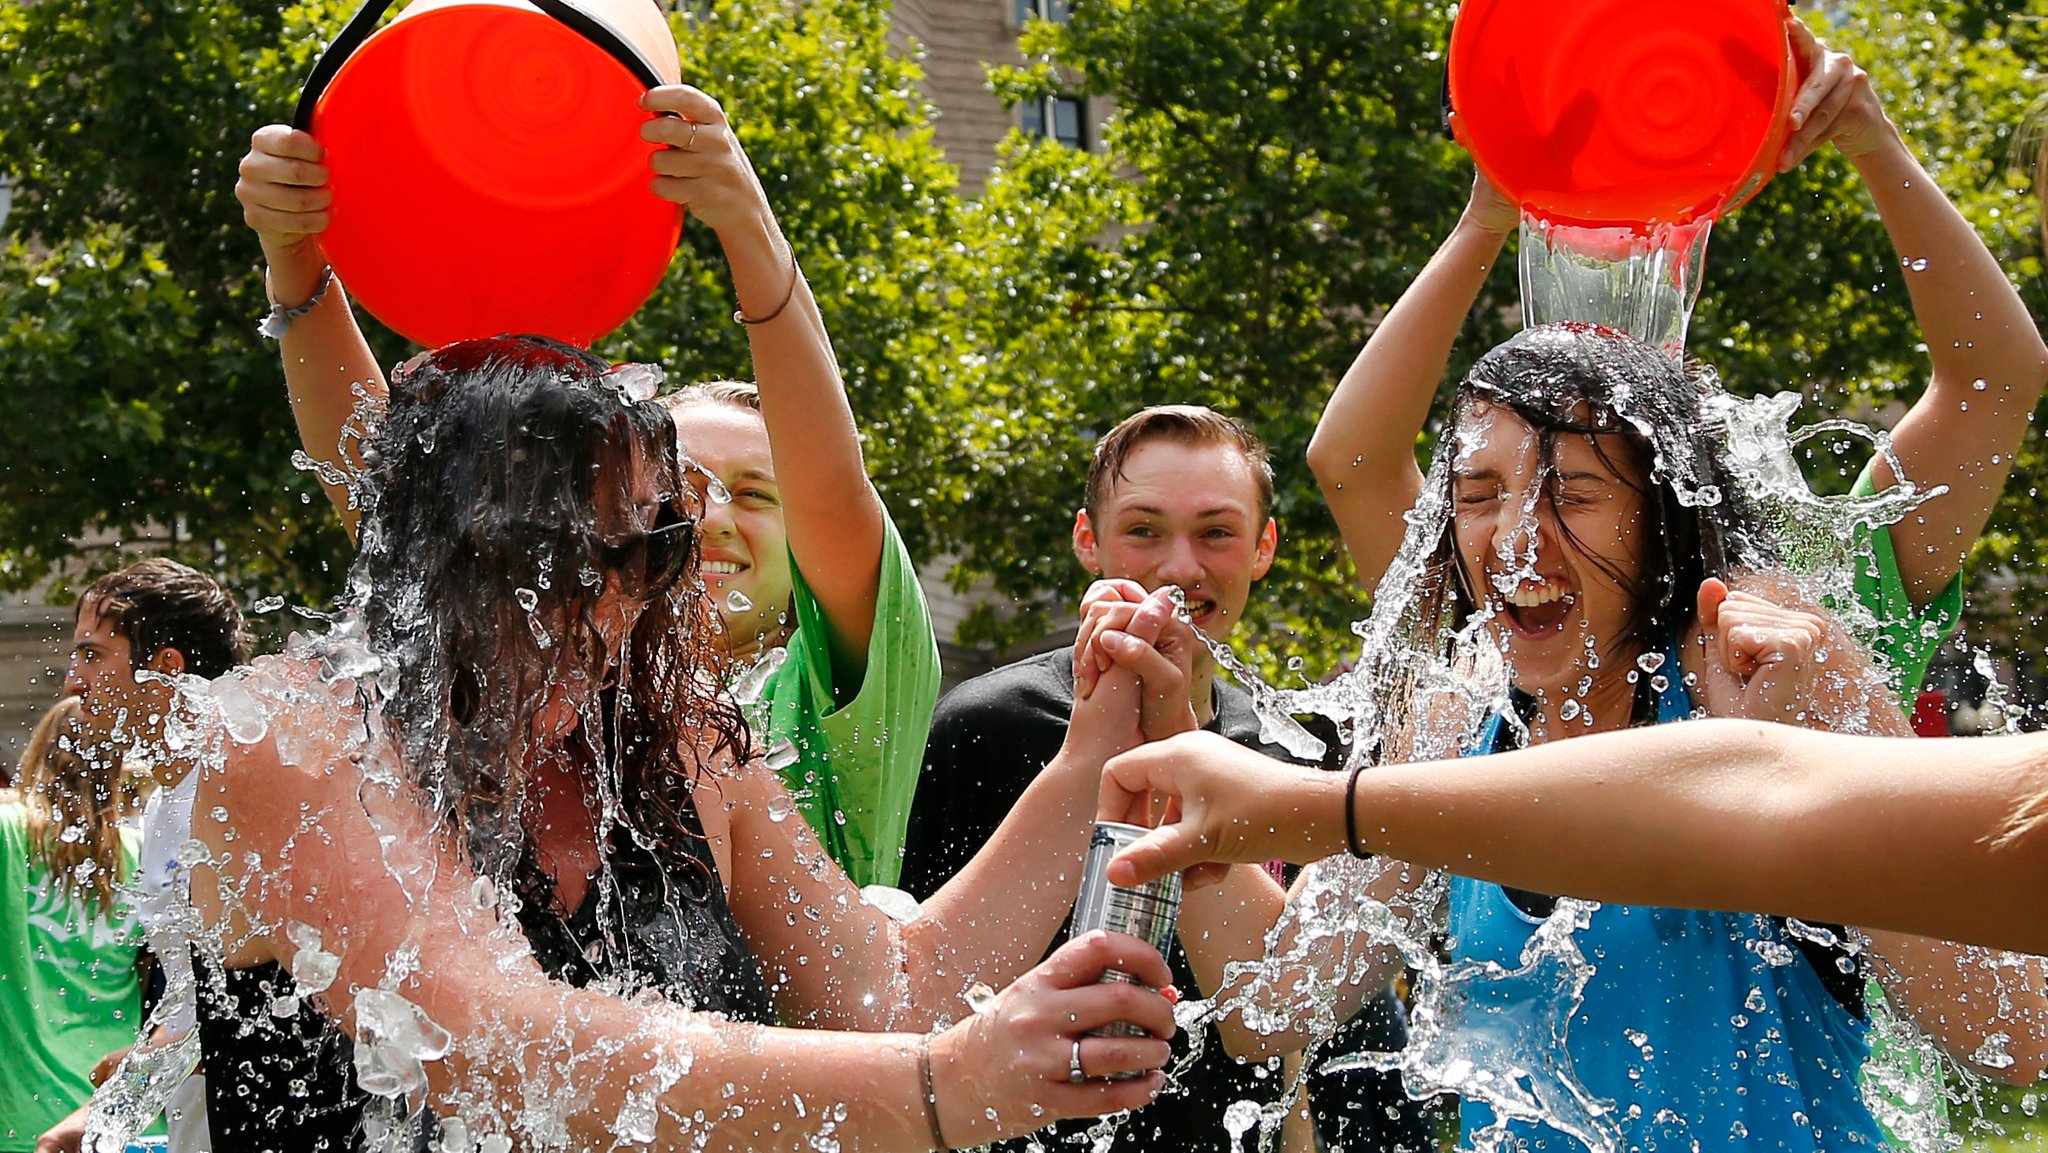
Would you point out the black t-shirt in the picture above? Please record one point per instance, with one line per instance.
(288, 1084)
(989, 739)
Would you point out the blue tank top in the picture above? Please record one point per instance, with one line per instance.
(1707, 1031)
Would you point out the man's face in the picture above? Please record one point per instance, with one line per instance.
(122, 704)
(1187, 515)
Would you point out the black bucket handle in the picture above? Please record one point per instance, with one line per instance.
(589, 25)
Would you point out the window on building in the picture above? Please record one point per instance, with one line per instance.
(1056, 11)
(1061, 118)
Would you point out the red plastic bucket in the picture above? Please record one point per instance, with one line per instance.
(487, 165)
(1623, 112)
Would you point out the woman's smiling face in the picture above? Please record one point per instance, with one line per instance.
(1551, 544)
(744, 544)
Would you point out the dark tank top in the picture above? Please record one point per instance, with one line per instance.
(287, 1084)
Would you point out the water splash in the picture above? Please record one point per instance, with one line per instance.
(1422, 683)
(394, 1040)
(1644, 284)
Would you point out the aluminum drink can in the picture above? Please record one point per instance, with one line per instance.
(1146, 912)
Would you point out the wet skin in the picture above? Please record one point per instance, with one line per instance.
(1528, 535)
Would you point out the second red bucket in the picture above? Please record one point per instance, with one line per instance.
(1623, 112)
(487, 165)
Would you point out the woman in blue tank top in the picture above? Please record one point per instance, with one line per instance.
(1578, 532)
(1587, 518)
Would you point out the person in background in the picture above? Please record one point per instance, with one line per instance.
(70, 986)
(1176, 495)
(805, 565)
(134, 630)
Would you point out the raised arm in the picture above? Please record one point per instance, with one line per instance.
(837, 959)
(1363, 451)
(1989, 361)
(285, 198)
(830, 508)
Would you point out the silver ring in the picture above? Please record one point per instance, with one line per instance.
(1074, 1073)
(690, 141)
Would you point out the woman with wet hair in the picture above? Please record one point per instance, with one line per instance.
(69, 987)
(504, 826)
(1718, 815)
(810, 580)
(1574, 520)
(1580, 525)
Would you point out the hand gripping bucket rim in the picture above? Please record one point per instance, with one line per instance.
(1673, 112)
(486, 164)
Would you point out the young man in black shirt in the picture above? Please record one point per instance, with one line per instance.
(1177, 495)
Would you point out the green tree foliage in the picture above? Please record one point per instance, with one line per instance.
(1272, 178)
(1291, 180)
(130, 292)
(127, 296)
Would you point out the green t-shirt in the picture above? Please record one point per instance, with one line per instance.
(1906, 636)
(1903, 1070)
(856, 761)
(69, 993)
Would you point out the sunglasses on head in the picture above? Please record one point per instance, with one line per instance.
(656, 556)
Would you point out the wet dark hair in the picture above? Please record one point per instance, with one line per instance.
(1644, 415)
(497, 507)
(160, 604)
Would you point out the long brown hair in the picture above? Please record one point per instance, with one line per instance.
(75, 795)
(483, 550)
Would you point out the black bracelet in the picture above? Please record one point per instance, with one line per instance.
(931, 1096)
(1351, 813)
(789, 295)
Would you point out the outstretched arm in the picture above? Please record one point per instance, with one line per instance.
(391, 895)
(1989, 361)
(831, 510)
(1774, 810)
(285, 198)
(1363, 451)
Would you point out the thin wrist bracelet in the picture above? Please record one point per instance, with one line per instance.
(1351, 813)
(740, 317)
(931, 1096)
(278, 320)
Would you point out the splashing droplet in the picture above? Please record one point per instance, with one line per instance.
(894, 903)
(978, 996)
